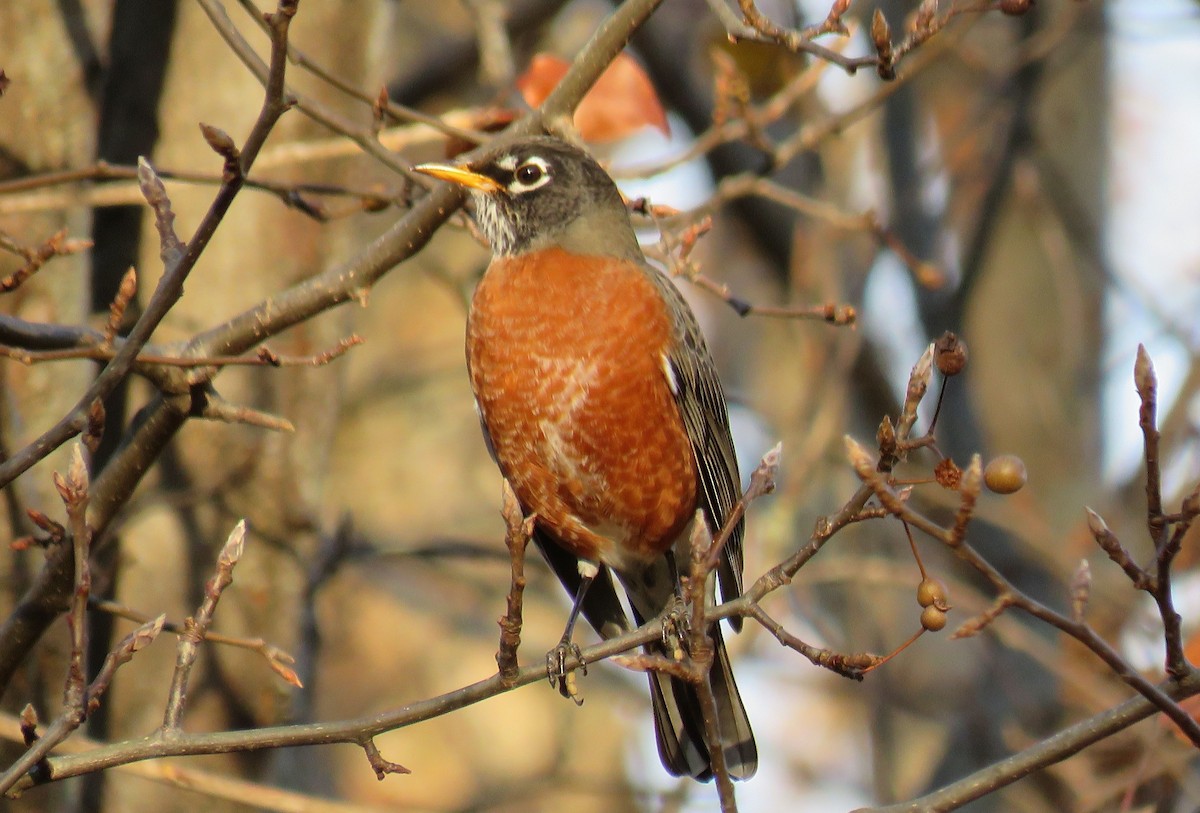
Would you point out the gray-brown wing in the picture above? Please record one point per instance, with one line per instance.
(701, 401)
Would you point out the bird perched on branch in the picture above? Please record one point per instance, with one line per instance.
(601, 405)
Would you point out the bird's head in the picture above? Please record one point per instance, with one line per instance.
(540, 191)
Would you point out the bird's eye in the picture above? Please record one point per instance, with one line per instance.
(529, 174)
(533, 173)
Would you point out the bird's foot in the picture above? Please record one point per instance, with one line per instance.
(556, 669)
(675, 626)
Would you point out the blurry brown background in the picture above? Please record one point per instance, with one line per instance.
(1006, 116)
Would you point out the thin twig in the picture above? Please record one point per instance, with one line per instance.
(209, 784)
(32, 767)
(704, 554)
(278, 659)
(216, 408)
(399, 112)
(272, 79)
(1166, 545)
(830, 313)
(381, 766)
(73, 488)
(1146, 382)
(56, 246)
(262, 357)
(196, 627)
(762, 482)
(1049, 751)
(847, 665)
(1111, 545)
(519, 529)
(36, 193)
(755, 27)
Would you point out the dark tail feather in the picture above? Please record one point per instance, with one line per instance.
(679, 721)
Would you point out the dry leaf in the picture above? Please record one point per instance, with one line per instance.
(621, 102)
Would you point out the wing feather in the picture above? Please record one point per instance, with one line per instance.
(697, 391)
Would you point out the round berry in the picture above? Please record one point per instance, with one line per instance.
(933, 619)
(1005, 474)
(931, 593)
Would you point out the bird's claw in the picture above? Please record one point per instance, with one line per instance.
(675, 625)
(560, 677)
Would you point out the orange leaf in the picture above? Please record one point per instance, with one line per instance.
(621, 102)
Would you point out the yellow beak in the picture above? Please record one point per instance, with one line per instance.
(459, 175)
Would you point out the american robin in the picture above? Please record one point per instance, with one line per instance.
(601, 405)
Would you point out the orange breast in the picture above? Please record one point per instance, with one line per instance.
(566, 360)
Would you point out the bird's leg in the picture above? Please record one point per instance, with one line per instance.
(675, 619)
(556, 659)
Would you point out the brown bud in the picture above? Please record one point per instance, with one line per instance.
(44, 522)
(923, 21)
(1005, 474)
(1144, 377)
(29, 724)
(885, 436)
(950, 354)
(218, 140)
(859, 457)
(881, 37)
(1096, 523)
(95, 426)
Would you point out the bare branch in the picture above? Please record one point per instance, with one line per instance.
(381, 766)
(1048, 752)
(171, 249)
(762, 482)
(850, 666)
(216, 408)
(56, 246)
(279, 661)
(1147, 388)
(196, 627)
(519, 530)
(213, 785)
(1111, 545)
(703, 550)
(73, 488)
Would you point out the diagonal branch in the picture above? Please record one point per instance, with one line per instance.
(1048, 752)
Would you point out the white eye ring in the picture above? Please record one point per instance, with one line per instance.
(534, 173)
